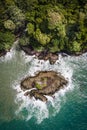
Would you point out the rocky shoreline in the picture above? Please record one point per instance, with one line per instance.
(47, 55)
(41, 55)
(42, 84)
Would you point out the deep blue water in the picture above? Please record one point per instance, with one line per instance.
(72, 114)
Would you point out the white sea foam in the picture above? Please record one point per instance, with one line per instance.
(8, 56)
(36, 108)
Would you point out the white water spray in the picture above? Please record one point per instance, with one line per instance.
(36, 108)
(31, 108)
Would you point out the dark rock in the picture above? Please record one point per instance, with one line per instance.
(48, 56)
(37, 54)
(40, 96)
(27, 93)
(2, 53)
(53, 58)
(28, 49)
(42, 55)
(37, 95)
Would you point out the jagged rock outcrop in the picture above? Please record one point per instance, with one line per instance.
(44, 83)
(41, 55)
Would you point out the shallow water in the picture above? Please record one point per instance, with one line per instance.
(68, 111)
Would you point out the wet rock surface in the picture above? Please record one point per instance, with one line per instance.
(41, 55)
(2, 53)
(42, 84)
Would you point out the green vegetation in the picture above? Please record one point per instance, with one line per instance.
(38, 86)
(30, 28)
(42, 38)
(58, 25)
(6, 40)
(8, 24)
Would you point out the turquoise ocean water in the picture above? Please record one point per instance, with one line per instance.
(68, 111)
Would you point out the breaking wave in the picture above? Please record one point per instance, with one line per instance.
(31, 108)
(21, 65)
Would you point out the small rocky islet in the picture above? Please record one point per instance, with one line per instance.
(44, 83)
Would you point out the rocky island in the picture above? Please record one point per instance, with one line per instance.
(42, 84)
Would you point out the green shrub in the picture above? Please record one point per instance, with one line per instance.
(38, 86)
(24, 40)
(30, 28)
(55, 18)
(6, 40)
(16, 14)
(30, 16)
(41, 37)
(8, 24)
(76, 46)
(61, 31)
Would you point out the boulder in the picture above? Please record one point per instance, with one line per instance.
(28, 50)
(53, 58)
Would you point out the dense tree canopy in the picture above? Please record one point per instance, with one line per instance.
(60, 25)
